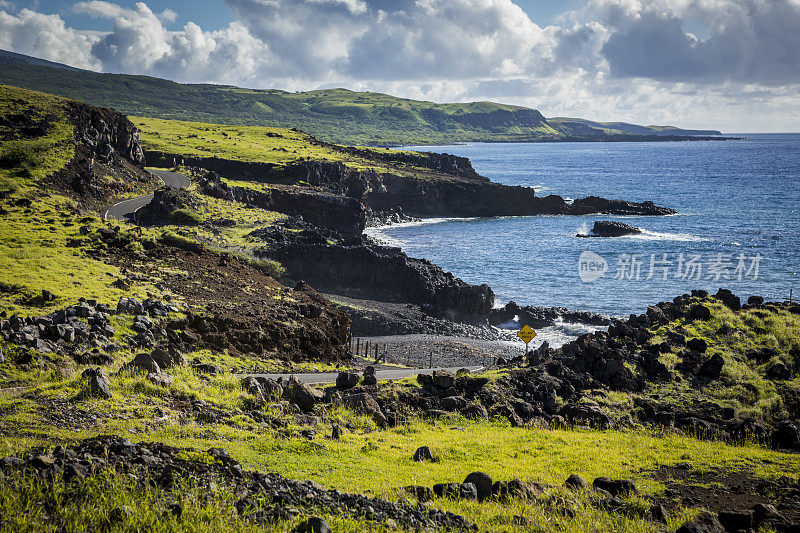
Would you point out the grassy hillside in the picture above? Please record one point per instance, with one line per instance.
(258, 144)
(622, 128)
(334, 115)
(35, 138)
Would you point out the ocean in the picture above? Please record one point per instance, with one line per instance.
(738, 223)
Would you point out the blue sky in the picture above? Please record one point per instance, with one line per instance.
(213, 15)
(732, 65)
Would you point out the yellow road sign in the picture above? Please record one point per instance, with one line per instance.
(526, 334)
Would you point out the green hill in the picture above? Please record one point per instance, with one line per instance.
(334, 115)
(620, 128)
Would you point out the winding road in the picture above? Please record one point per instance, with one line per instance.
(381, 375)
(126, 209)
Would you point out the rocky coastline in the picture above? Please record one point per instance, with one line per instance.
(450, 187)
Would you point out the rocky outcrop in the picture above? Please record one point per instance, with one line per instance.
(539, 317)
(168, 206)
(607, 228)
(338, 213)
(359, 264)
(108, 158)
(387, 218)
(105, 132)
(595, 204)
(437, 185)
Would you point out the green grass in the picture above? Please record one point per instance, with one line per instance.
(743, 384)
(142, 411)
(26, 159)
(257, 144)
(29, 504)
(246, 219)
(44, 250)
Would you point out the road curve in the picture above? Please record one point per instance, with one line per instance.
(382, 375)
(126, 209)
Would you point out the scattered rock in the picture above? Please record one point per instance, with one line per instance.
(98, 381)
(464, 491)
(160, 378)
(615, 487)
(736, 520)
(422, 494)
(252, 386)
(712, 368)
(575, 482)
(482, 482)
(475, 411)
(443, 379)
(697, 344)
(786, 436)
(303, 395)
(767, 515)
(705, 522)
(365, 403)
(130, 306)
(423, 453)
(369, 377)
(144, 363)
(166, 358)
(582, 413)
(272, 390)
(700, 312)
(314, 524)
(206, 368)
(346, 380)
(265, 496)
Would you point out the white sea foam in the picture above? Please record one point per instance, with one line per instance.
(556, 335)
(538, 188)
(562, 332)
(379, 232)
(647, 235)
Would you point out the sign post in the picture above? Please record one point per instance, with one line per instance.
(526, 334)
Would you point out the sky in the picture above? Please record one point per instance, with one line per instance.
(732, 65)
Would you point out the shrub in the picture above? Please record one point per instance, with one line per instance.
(185, 217)
(8, 187)
(178, 241)
(268, 266)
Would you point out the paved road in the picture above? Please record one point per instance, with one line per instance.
(127, 208)
(330, 377)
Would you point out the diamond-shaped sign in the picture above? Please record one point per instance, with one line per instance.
(526, 334)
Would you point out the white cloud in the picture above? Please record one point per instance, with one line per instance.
(168, 15)
(748, 40)
(46, 36)
(631, 60)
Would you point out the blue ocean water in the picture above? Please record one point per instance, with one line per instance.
(738, 221)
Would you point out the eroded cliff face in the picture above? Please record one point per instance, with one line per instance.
(339, 213)
(361, 267)
(105, 132)
(108, 161)
(441, 186)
